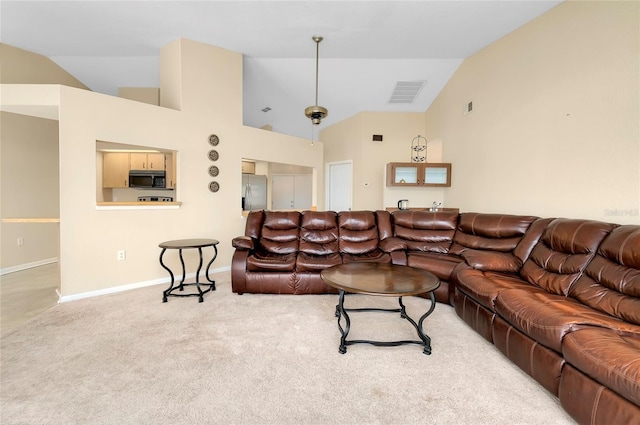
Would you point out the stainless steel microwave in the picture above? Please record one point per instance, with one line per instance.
(147, 179)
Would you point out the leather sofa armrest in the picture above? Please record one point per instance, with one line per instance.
(243, 242)
(392, 244)
(492, 260)
(239, 271)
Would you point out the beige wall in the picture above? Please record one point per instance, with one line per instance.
(150, 95)
(29, 188)
(20, 66)
(555, 129)
(351, 139)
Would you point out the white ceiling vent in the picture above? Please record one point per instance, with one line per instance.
(406, 91)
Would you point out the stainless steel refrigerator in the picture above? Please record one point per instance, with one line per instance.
(254, 192)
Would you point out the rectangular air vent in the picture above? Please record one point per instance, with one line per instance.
(406, 91)
(468, 108)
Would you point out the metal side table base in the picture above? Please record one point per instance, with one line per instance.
(189, 244)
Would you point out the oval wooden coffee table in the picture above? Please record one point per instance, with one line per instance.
(386, 280)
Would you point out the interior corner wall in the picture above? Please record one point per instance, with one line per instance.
(29, 189)
(554, 128)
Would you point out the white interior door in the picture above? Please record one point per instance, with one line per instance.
(339, 183)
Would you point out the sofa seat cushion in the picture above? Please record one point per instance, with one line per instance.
(547, 318)
(316, 263)
(441, 265)
(609, 357)
(484, 286)
(376, 255)
(268, 262)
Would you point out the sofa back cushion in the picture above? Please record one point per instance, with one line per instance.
(427, 231)
(383, 221)
(253, 227)
(357, 232)
(563, 252)
(490, 232)
(280, 232)
(319, 232)
(611, 281)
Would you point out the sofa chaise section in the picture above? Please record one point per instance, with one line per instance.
(531, 321)
(603, 362)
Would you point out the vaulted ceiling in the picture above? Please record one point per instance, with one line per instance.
(368, 47)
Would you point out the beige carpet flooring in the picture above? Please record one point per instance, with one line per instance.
(128, 358)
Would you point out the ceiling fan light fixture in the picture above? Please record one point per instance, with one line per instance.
(316, 113)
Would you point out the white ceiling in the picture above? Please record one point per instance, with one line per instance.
(368, 46)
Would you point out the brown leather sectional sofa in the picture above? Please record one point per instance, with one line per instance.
(558, 297)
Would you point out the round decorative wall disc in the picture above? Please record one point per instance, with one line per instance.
(214, 186)
(214, 171)
(213, 155)
(214, 140)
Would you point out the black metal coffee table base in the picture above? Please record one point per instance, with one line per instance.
(341, 312)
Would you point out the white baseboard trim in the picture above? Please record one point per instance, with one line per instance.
(137, 285)
(26, 266)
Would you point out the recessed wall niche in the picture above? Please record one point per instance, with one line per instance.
(127, 173)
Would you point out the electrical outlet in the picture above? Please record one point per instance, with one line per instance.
(122, 255)
(20, 241)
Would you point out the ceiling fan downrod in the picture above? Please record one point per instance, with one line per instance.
(316, 113)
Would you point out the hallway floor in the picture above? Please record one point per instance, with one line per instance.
(26, 294)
